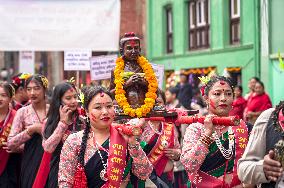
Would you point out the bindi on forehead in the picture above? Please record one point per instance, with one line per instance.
(222, 83)
(71, 90)
(102, 103)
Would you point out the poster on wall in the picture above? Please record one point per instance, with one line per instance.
(101, 66)
(27, 62)
(159, 71)
(77, 60)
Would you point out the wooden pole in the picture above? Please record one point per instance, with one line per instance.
(78, 78)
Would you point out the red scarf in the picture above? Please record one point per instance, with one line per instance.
(116, 163)
(116, 159)
(258, 103)
(4, 133)
(156, 156)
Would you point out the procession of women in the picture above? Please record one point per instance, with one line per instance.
(135, 134)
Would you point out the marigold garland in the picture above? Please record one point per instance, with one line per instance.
(150, 96)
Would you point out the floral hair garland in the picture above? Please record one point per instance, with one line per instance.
(204, 80)
(20, 80)
(44, 81)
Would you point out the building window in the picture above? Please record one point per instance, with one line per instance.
(199, 13)
(169, 24)
(234, 21)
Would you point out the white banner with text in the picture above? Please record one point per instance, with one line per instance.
(77, 60)
(101, 67)
(59, 25)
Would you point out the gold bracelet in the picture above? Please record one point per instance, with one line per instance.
(207, 138)
(203, 142)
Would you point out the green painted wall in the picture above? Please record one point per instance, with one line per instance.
(220, 54)
(276, 28)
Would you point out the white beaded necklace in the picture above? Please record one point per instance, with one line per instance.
(103, 173)
(227, 153)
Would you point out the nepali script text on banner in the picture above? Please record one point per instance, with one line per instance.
(101, 67)
(59, 25)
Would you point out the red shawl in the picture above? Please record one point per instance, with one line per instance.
(258, 103)
(239, 106)
(5, 130)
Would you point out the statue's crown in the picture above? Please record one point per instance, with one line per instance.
(128, 36)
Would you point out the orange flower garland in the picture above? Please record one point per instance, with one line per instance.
(150, 96)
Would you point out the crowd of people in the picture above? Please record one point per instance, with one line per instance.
(74, 140)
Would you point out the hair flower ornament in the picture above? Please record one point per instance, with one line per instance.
(71, 80)
(25, 76)
(44, 81)
(204, 80)
(81, 111)
(81, 97)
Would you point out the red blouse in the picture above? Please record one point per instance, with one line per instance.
(239, 106)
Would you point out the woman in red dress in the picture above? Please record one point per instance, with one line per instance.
(239, 103)
(257, 103)
(8, 178)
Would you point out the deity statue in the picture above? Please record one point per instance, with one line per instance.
(135, 84)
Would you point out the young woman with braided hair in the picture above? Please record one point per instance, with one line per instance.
(210, 152)
(260, 163)
(26, 129)
(8, 170)
(62, 120)
(100, 155)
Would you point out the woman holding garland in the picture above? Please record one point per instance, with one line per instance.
(8, 174)
(27, 127)
(162, 148)
(210, 152)
(97, 156)
(62, 120)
